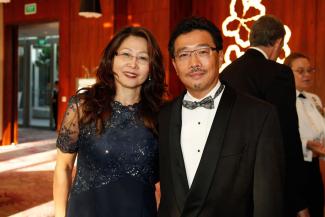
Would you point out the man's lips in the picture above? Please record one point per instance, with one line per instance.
(196, 74)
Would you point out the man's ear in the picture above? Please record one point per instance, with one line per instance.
(174, 64)
(276, 49)
(279, 43)
(220, 58)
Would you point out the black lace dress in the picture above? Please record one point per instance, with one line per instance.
(117, 170)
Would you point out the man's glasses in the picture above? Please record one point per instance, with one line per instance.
(126, 56)
(202, 53)
(302, 71)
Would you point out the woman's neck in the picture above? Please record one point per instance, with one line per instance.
(127, 97)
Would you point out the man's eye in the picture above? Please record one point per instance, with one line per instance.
(183, 55)
(203, 52)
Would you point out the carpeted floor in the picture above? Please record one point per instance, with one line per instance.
(26, 173)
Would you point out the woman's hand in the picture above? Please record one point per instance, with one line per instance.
(316, 147)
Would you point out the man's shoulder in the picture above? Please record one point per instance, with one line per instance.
(168, 105)
(249, 62)
(249, 102)
(252, 101)
(278, 66)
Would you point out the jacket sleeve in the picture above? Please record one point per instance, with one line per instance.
(282, 94)
(269, 169)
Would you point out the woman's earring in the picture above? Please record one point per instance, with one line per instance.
(149, 78)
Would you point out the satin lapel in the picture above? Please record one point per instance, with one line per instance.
(209, 160)
(178, 171)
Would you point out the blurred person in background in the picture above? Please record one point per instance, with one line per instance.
(311, 128)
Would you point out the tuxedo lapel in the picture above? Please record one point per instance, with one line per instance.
(209, 160)
(178, 171)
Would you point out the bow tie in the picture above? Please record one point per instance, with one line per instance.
(207, 102)
(302, 96)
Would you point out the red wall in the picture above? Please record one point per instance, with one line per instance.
(82, 40)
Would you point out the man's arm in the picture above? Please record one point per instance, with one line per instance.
(269, 170)
(282, 94)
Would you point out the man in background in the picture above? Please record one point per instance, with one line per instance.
(54, 101)
(256, 73)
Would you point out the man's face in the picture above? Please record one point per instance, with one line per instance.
(197, 62)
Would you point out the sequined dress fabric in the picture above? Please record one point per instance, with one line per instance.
(117, 170)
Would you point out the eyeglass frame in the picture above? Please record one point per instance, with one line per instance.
(211, 49)
(302, 71)
(128, 57)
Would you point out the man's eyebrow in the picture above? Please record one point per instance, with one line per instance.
(197, 46)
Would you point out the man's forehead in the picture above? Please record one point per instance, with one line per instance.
(195, 38)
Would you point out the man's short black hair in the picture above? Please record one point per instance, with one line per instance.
(195, 23)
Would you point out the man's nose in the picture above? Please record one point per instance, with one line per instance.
(195, 60)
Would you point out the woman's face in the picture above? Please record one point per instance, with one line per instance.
(303, 73)
(131, 63)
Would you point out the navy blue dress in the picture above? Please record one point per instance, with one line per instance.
(116, 170)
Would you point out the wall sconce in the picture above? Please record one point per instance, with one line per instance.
(4, 1)
(90, 8)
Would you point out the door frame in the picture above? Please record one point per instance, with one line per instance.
(10, 85)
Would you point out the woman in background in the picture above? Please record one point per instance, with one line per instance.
(311, 128)
(111, 127)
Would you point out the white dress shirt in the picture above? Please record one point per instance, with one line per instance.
(311, 122)
(196, 126)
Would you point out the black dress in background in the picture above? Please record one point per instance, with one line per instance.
(116, 171)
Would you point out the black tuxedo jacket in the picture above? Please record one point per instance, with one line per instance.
(268, 80)
(241, 170)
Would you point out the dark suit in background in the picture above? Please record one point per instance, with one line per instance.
(267, 80)
(241, 169)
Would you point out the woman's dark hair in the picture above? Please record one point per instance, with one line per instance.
(292, 57)
(195, 23)
(96, 100)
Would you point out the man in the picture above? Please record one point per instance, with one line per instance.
(257, 74)
(55, 102)
(220, 151)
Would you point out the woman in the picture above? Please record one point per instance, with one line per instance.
(111, 127)
(311, 128)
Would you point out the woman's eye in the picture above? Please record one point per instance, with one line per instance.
(126, 54)
(144, 58)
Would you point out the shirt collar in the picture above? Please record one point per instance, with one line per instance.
(189, 97)
(300, 92)
(261, 51)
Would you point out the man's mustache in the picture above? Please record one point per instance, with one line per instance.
(196, 69)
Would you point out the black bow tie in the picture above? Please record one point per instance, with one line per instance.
(301, 95)
(207, 102)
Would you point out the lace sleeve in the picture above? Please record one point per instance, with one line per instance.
(67, 140)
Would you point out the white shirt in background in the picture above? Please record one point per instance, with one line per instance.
(311, 122)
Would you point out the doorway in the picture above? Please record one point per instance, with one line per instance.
(37, 73)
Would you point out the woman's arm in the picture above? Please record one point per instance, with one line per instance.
(62, 181)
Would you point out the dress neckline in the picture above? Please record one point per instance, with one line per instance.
(132, 107)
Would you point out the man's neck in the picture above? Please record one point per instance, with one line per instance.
(263, 50)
